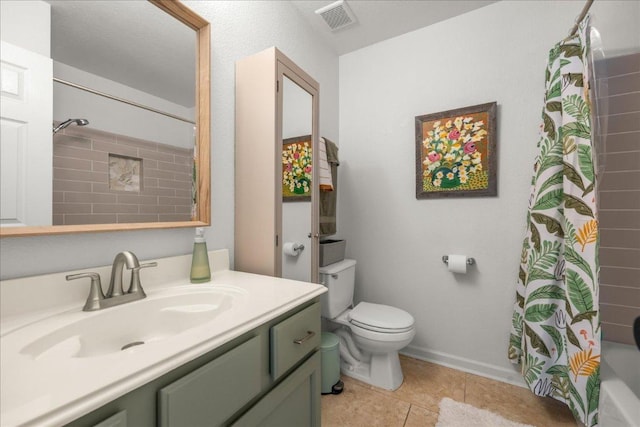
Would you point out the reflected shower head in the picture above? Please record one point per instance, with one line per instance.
(68, 122)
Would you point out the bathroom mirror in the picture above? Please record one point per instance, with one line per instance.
(297, 188)
(297, 131)
(149, 70)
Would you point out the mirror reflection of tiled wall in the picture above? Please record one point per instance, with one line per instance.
(619, 196)
(104, 178)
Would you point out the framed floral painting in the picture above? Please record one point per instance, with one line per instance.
(456, 153)
(296, 169)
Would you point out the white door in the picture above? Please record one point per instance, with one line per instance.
(26, 117)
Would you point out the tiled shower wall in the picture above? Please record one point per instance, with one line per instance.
(619, 195)
(81, 189)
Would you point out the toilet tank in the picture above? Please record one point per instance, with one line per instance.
(340, 279)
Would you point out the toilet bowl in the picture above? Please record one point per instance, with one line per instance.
(370, 334)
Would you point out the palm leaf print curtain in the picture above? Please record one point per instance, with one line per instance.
(555, 332)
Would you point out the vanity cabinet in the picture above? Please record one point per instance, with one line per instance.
(269, 376)
(266, 117)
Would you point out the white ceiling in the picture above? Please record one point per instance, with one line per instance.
(136, 44)
(379, 20)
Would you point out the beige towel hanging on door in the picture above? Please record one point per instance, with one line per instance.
(328, 199)
(326, 183)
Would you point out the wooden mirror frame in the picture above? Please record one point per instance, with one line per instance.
(203, 142)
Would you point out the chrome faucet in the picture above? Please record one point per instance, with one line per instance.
(115, 285)
(115, 295)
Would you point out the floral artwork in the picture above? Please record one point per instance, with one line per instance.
(456, 153)
(453, 158)
(297, 169)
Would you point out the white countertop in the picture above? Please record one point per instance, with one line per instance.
(54, 391)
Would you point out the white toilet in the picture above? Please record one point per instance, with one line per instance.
(370, 334)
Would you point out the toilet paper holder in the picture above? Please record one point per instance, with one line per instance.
(470, 261)
(292, 249)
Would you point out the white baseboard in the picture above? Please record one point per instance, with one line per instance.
(510, 376)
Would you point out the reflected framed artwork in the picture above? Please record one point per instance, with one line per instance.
(297, 169)
(456, 153)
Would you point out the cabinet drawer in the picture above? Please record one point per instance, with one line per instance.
(213, 393)
(294, 338)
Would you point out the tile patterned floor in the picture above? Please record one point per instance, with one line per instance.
(415, 403)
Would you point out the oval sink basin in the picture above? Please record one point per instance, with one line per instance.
(128, 327)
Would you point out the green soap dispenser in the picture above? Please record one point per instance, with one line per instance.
(200, 272)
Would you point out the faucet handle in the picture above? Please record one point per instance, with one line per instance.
(95, 291)
(136, 286)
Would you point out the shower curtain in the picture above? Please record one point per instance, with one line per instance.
(555, 332)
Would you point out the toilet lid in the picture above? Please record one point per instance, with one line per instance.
(381, 318)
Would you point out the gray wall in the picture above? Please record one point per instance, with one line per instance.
(86, 187)
(619, 195)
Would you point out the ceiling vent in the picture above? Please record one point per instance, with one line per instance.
(337, 15)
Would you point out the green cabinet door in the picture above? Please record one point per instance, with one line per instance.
(213, 393)
(295, 402)
(117, 420)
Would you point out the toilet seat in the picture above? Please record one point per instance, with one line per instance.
(381, 318)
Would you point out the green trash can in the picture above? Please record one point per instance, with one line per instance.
(330, 364)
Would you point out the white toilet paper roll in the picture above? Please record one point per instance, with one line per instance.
(292, 248)
(457, 264)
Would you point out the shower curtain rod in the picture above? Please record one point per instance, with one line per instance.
(580, 17)
(115, 98)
